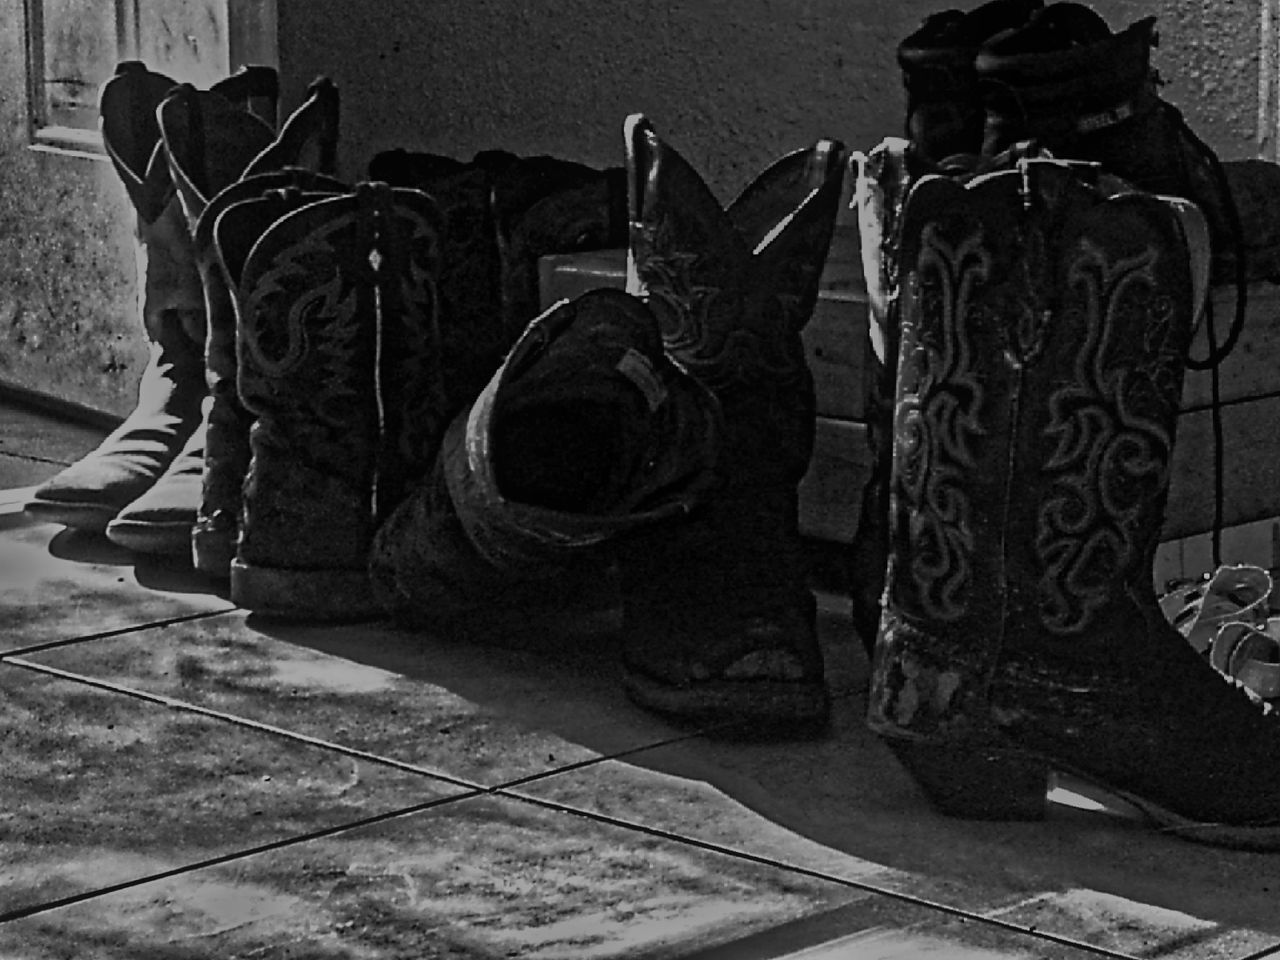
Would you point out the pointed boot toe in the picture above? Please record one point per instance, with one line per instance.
(160, 520)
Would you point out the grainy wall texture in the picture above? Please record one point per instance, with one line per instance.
(67, 300)
(732, 83)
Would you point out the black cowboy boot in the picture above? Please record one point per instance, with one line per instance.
(1044, 325)
(945, 115)
(502, 213)
(201, 176)
(93, 491)
(335, 300)
(719, 618)
(586, 433)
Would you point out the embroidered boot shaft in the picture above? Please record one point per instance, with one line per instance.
(719, 618)
(502, 213)
(227, 423)
(211, 153)
(1044, 324)
(92, 492)
(336, 321)
(884, 177)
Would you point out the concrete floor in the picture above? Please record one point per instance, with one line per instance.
(183, 780)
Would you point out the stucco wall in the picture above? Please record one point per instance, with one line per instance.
(731, 82)
(1208, 59)
(67, 317)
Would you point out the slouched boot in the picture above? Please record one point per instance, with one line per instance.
(719, 620)
(337, 313)
(91, 492)
(585, 434)
(1044, 325)
(945, 115)
(213, 157)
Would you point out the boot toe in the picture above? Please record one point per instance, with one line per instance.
(161, 519)
(89, 493)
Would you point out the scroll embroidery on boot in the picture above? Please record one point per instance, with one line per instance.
(1111, 452)
(938, 419)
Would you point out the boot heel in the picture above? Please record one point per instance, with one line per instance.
(976, 784)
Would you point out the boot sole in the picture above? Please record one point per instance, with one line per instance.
(319, 595)
(168, 538)
(90, 517)
(973, 782)
(779, 707)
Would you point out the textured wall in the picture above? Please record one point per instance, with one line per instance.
(731, 82)
(1208, 58)
(67, 315)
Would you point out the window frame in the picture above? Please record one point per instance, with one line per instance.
(251, 38)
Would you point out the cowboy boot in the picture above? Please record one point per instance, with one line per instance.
(719, 619)
(308, 139)
(945, 116)
(586, 433)
(211, 152)
(206, 140)
(472, 337)
(1044, 325)
(226, 422)
(544, 206)
(325, 294)
(884, 179)
(502, 213)
(90, 492)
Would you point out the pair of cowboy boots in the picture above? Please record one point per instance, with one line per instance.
(1045, 315)
(366, 321)
(138, 484)
(659, 433)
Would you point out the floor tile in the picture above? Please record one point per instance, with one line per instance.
(100, 788)
(58, 584)
(842, 806)
(485, 877)
(483, 715)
